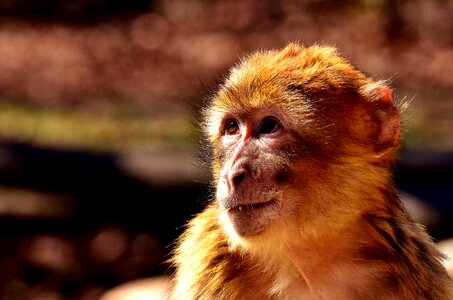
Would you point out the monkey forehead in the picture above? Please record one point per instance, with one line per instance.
(248, 97)
(313, 70)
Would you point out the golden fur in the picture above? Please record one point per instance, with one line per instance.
(341, 232)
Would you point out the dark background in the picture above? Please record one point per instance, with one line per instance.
(101, 159)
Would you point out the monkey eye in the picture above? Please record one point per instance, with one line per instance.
(269, 125)
(231, 127)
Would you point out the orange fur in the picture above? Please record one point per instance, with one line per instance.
(333, 227)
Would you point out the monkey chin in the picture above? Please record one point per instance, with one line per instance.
(252, 219)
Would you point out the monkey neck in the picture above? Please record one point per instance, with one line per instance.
(362, 252)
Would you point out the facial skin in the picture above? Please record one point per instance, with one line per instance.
(250, 185)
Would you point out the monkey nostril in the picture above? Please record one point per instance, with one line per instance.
(238, 178)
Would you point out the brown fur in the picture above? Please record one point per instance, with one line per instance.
(338, 230)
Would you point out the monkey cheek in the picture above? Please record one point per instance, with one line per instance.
(222, 190)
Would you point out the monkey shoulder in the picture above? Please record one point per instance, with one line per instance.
(407, 257)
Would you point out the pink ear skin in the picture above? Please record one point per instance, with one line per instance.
(388, 118)
(385, 94)
(390, 130)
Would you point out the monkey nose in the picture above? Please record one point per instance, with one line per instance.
(236, 177)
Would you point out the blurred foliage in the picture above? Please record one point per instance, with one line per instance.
(428, 120)
(106, 127)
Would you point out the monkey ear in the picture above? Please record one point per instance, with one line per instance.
(386, 117)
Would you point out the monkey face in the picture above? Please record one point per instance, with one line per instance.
(250, 188)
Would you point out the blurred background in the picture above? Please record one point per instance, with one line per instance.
(101, 159)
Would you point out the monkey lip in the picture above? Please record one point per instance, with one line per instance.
(253, 206)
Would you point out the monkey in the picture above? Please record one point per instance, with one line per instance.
(304, 205)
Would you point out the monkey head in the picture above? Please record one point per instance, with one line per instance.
(289, 130)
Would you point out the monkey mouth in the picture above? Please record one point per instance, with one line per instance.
(253, 206)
